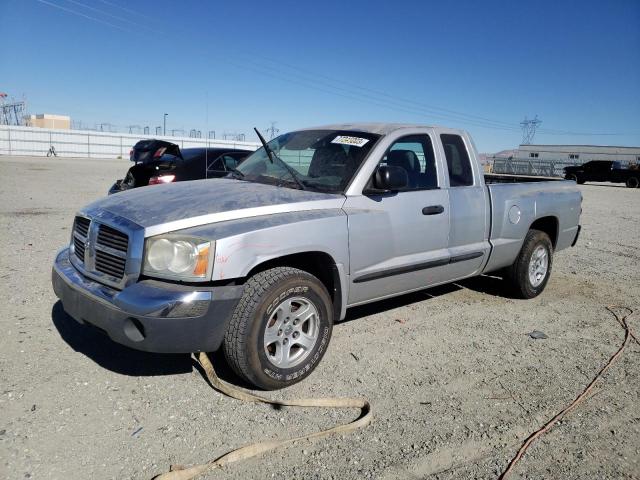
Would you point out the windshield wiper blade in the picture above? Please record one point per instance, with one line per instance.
(273, 155)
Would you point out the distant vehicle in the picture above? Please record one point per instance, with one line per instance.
(603, 171)
(157, 162)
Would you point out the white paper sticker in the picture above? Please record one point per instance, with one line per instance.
(346, 140)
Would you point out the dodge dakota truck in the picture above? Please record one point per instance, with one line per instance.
(262, 263)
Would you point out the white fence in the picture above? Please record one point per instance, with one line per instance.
(86, 143)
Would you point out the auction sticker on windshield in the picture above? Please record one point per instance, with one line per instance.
(346, 140)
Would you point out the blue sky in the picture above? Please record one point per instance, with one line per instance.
(229, 66)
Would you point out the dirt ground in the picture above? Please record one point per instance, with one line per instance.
(455, 382)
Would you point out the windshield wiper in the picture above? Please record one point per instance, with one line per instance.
(273, 155)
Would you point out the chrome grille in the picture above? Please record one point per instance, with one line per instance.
(101, 251)
(80, 236)
(111, 251)
(110, 264)
(78, 248)
(112, 238)
(82, 226)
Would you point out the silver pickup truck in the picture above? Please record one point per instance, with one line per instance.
(263, 262)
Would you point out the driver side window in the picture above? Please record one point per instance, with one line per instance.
(414, 153)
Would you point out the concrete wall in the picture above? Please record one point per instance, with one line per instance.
(86, 143)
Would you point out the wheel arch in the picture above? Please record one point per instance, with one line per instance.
(317, 263)
(549, 225)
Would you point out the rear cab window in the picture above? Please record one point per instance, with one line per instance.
(458, 161)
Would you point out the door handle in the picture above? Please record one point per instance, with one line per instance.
(433, 210)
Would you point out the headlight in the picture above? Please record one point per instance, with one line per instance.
(178, 257)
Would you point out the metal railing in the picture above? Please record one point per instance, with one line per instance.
(541, 167)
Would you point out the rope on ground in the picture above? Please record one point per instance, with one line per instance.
(255, 449)
(622, 320)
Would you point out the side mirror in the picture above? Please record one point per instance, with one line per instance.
(388, 178)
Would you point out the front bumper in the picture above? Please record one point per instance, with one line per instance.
(150, 315)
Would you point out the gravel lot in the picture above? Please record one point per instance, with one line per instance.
(455, 383)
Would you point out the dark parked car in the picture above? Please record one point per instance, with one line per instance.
(157, 161)
(603, 171)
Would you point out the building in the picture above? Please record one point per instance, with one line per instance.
(47, 120)
(578, 154)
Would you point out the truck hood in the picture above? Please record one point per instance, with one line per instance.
(176, 206)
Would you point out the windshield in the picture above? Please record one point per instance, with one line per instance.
(321, 160)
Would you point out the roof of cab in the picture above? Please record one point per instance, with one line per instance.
(377, 128)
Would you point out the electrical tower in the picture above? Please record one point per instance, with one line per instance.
(272, 130)
(529, 129)
(11, 112)
(134, 127)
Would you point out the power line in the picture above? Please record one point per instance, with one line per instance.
(73, 12)
(103, 12)
(125, 9)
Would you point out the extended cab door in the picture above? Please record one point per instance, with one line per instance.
(469, 203)
(399, 241)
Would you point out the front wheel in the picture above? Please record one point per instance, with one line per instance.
(530, 272)
(280, 329)
(571, 176)
(632, 182)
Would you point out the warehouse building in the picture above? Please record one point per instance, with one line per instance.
(578, 154)
(47, 120)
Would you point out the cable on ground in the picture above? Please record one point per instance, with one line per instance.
(178, 472)
(628, 334)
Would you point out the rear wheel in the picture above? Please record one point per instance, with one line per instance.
(632, 182)
(530, 272)
(280, 329)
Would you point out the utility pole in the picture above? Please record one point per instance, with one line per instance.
(165, 124)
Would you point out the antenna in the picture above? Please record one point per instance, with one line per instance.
(529, 129)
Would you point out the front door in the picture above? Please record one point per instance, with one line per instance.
(398, 242)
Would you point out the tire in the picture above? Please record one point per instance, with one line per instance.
(580, 181)
(518, 275)
(571, 176)
(272, 298)
(632, 182)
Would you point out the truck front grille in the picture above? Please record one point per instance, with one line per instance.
(112, 238)
(82, 226)
(110, 264)
(78, 248)
(100, 250)
(80, 235)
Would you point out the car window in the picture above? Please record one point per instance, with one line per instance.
(230, 162)
(414, 153)
(216, 164)
(458, 162)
